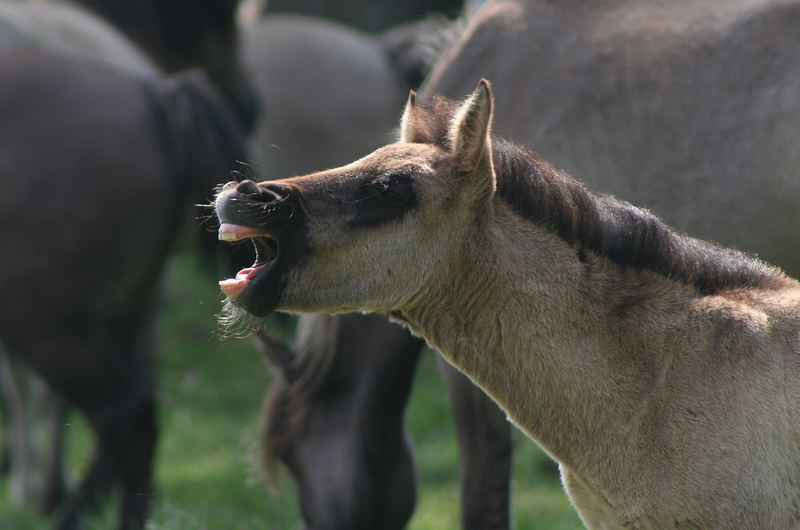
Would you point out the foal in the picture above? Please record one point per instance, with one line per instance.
(659, 370)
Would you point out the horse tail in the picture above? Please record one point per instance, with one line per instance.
(204, 142)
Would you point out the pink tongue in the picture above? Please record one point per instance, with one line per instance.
(233, 287)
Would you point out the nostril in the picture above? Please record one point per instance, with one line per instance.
(247, 187)
(278, 190)
(263, 192)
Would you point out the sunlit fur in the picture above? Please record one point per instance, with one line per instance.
(658, 369)
(235, 322)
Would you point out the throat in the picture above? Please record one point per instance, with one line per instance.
(525, 325)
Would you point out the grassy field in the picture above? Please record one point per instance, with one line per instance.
(207, 469)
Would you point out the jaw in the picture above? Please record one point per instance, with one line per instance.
(272, 220)
(257, 288)
(258, 294)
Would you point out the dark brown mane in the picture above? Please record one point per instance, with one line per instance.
(289, 400)
(432, 121)
(628, 236)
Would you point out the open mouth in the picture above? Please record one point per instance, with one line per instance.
(266, 247)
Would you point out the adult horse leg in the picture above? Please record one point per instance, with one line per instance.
(98, 481)
(135, 461)
(125, 449)
(120, 408)
(35, 469)
(17, 428)
(54, 487)
(484, 440)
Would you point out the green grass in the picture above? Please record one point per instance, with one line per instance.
(207, 470)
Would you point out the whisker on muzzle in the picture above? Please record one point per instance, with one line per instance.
(235, 323)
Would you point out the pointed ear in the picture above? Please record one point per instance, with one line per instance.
(411, 122)
(470, 134)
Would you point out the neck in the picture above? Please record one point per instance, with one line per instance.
(563, 299)
(532, 331)
(561, 339)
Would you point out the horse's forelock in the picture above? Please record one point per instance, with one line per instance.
(433, 118)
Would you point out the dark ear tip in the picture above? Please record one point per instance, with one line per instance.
(412, 97)
(485, 86)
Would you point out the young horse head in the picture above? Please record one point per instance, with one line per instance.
(659, 370)
(381, 191)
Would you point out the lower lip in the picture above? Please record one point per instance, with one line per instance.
(233, 287)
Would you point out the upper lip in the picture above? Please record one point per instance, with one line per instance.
(266, 245)
(232, 232)
(266, 248)
(264, 214)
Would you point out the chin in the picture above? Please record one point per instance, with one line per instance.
(236, 322)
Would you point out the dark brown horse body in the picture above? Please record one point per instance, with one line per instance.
(81, 147)
(366, 15)
(185, 116)
(168, 36)
(180, 34)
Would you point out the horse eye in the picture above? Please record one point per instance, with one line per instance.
(397, 186)
(383, 199)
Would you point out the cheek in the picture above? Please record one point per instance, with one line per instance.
(370, 253)
(352, 260)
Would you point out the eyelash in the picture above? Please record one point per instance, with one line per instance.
(386, 188)
(384, 198)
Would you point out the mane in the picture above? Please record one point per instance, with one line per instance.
(630, 237)
(290, 397)
(415, 48)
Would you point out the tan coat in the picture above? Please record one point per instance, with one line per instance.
(659, 370)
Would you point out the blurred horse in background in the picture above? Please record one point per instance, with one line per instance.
(69, 31)
(35, 466)
(175, 36)
(404, 29)
(292, 61)
(180, 34)
(352, 458)
(160, 35)
(80, 146)
(368, 16)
